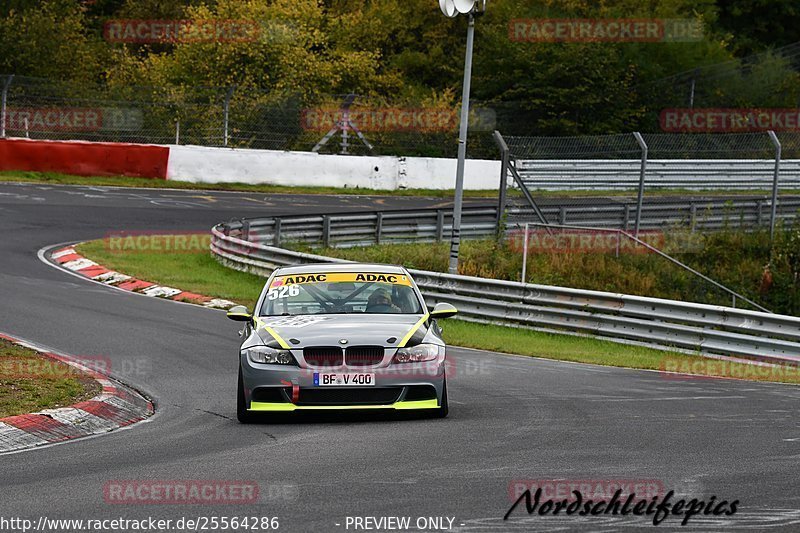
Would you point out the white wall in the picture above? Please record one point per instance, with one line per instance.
(440, 173)
(200, 164)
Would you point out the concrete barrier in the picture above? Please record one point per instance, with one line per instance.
(201, 164)
(83, 158)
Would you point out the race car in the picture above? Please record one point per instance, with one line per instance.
(341, 336)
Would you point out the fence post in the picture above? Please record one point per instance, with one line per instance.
(6, 85)
(626, 216)
(759, 213)
(526, 193)
(225, 112)
(326, 231)
(773, 215)
(501, 197)
(277, 236)
(525, 255)
(439, 225)
(177, 132)
(642, 172)
(378, 226)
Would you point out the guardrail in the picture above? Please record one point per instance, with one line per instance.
(537, 163)
(250, 245)
(661, 212)
(688, 174)
(362, 229)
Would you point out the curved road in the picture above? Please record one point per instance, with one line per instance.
(512, 418)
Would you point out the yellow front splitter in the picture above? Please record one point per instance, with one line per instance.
(419, 404)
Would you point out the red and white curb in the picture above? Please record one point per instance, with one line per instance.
(69, 259)
(117, 406)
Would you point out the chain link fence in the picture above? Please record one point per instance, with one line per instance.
(657, 209)
(237, 117)
(652, 181)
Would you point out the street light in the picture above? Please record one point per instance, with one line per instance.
(452, 8)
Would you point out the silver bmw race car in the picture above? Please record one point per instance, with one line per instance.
(341, 336)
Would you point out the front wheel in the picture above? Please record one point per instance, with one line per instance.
(242, 414)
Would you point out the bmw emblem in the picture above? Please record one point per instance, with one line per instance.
(343, 341)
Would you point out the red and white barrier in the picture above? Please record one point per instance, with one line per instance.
(116, 406)
(85, 158)
(200, 164)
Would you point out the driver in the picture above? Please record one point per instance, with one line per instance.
(380, 302)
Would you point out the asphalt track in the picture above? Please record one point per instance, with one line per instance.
(511, 417)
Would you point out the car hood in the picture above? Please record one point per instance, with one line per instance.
(328, 330)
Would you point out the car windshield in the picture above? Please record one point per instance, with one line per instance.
(340, 293)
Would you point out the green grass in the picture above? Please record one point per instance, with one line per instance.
(31, 382)
(124, 181)
(193, 270)
(197, 271)
(734, 258)
(600, 352)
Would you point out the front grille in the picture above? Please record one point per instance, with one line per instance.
(361, 396)
(364, 355)
(323, 356)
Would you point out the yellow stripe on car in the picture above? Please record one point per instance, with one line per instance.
(418, 404)
(283, 344)
(413, 330)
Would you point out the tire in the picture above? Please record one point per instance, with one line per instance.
(443, 409)
(242, 414)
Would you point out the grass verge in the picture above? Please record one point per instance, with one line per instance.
(145, 183)
(197, 271)
(31, 382)
(765, 271)
(193, 270)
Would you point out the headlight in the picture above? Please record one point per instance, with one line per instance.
(265, 354)
(418, 353)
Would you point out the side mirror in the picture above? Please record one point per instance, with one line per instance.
(443, 310)
(239, 313)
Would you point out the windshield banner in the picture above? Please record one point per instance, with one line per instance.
(346, 277)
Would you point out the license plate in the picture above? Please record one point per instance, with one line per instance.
(333, 379)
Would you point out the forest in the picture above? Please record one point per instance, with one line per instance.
(406, 53)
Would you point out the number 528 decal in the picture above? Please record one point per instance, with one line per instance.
(283, 292)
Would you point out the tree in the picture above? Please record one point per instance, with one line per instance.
(51, 40)
(756, 24)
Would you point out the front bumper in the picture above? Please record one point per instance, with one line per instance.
(288, 407)
(397, 387)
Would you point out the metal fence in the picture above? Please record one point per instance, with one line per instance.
(635, 181)
(364, 229)
(650, 321)
(235, 116)
(435, 225)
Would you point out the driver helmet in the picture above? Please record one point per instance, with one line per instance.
(379, 296)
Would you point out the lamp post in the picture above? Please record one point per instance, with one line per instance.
(471, 8)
